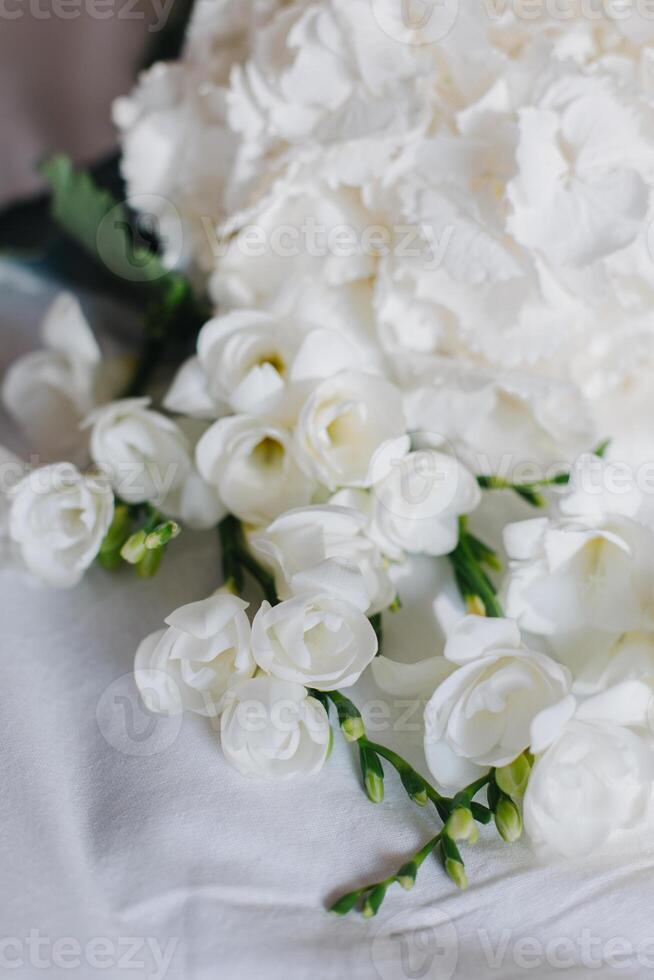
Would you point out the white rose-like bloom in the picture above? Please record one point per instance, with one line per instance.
(254, 363)
(145, 454)
(594, 780)
(317, 640)
(298, 544)
(50, 391)
(480, 716)
(590, 568)
(58, 518)
(418, 499)
(192, 663)
(343, 423)
(271, 729)
(253, 466)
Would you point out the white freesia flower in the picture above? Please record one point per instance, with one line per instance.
(318, 640)
(418, 499)
(480, 716)
(50, 391)
(254, 468)
(590, 568)
(193, 501)
(271, 729)
(205, 649)
(144, 454)
(630, 657)
(253, 363)
(58, 518)
(299, 543)
(594, 780)
(344, 423)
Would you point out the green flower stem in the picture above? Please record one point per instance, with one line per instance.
(373, 895)
(530, 491)
(472, 580)
(349, 716)
(237, 558)
(377, 624)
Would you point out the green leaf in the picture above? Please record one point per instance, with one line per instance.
(99, 223)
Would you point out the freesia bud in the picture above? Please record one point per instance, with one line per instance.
(513, 779)
(134, 549)
(461, 825)
(373, 775)
(508, 820)
(162, 535)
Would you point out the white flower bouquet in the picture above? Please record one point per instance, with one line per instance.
(410, 260)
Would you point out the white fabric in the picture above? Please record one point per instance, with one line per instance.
(103, 834)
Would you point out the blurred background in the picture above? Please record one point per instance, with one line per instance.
(62, 62)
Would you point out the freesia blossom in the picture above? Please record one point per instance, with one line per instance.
(57, 520)
(254, 363)
(318, 640)
(343, 425)
(254, 467)
(50, 391)
(272, 729)
(298, 544)
(480, 716)
(144, 453)
(593, 777)
(205, 649)
(590, 567)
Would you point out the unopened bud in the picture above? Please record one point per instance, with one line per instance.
(134, 550)
(345, 904)
(406, 876)
(373, 775)
(475, 606)
(415, 786)
(461, 825)
(373, 901)
(508, 820)
(162, 535)
(457, 872)
(513, 779)
(453, 862)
